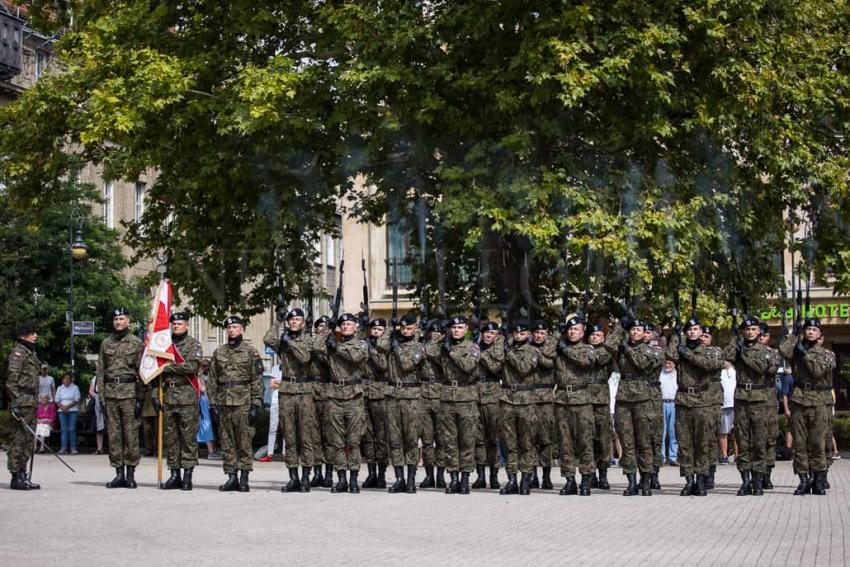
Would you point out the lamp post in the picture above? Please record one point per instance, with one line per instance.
(78, 249)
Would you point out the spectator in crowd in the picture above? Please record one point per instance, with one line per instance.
(728, 381)
(669, 387)
(787, 390)
(616, 448)
(274, 412)
(207, 435)
(46, 384)
(45, 416)
(68, 402)
(99, 422)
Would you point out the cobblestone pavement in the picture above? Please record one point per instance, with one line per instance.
(74, 520)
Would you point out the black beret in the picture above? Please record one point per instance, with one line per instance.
(647, 325)
(489, 326)
(520, 325)
(540, 325)
(458, 320)
(118, 311)
(25, 329)
(750, 321)
(765, 328)
(572, 322)
(323, 320)
(692, 322)
(596, 328)
(346, 317)
(377, 323)
(409, 319)
(179, 316)
(635, 323)
(435, 325)
(707, 330)
(297, 312)
(233, 320)
(812, 322)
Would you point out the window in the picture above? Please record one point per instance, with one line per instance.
(140, 200)
(331, 253)
(317, 251)
(398, 248)
(108, 197)
(196, 327)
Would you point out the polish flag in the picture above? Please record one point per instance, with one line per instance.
(158, 348)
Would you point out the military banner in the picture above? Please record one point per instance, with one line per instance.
(159, 350)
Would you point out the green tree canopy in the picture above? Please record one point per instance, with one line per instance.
(674, 141)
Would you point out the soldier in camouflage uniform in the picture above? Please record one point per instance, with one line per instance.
(433, 453)
(21, 387)
(404, 419)
(181, 411)
(573, 410)
(460, 403)
(544, 384)
(295, 396)
(490, 366)
(754, 370)
(375, 445)
(236, 392)
(810, 404)
(773, 419)
(518, 412)
(696, 366)
(321, 372)
(639, 364)
(344, 406)
(716, 389)
(600, 399)
(121, 391)
(655, 407)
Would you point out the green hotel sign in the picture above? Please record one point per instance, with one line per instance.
(821, 311)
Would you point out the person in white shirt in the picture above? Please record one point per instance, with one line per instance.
(274, 384)
(67, 404)
(669, 387)
(46, 384)
(728, 381)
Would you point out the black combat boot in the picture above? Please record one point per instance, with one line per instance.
(480, 480)
(510, 486)
(441, 477)
(708, 479)
(371, 478)
(804, 487)
(525, 484)
(18, 483)
(653, 480)
(341, 484)
(746, 484)
(398, 486)
(603, 480)
(243, 481)
(328, 480)
(766, 483)
(411, 479)
(594, 482)
(318, 479)
(119, 481)
(584, 489)
(428, 481)
(353, 487)
(700, 489)
(645, 489)
(31, 484)
(494, 477)
(569, 487)
(294, 484)
(546, 484)
(173, 482)
(817, 484)
(453, 483)
(187, 479)
(826, 480)
(758, 490)
(631, 487)
(131, 477)
(535, 482)
(463, 488)
(381, 481)
(231, 484)
(305, 479)
(688, 489)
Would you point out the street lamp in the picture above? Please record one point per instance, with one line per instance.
(78, 251)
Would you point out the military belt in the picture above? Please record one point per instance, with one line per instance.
(343, 383)
(400, 384)
(176, 383)
(695, 390)
(813, 387)
(569, 388)
(30, 391)
(120, 380)
(599, 381)
(656, 384)
(630, 377)
(749, 386)
(229, 383)
(455, 384)
(518, 387)
(716, 381)
(488, 378)
(543, 386)
(295, 380)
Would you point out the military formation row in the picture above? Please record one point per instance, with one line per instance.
(349, 395)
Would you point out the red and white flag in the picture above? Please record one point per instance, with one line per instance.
(158, 348)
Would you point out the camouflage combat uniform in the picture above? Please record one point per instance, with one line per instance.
(433, 451)
(600, 399)
(573, 409)
(490, 366)
(545, 433)
(236, 384)
(375, 444)
(180, 404)
(404, 417)
(21, 388)
(460, 404)
(119, 387)
(518, 412)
